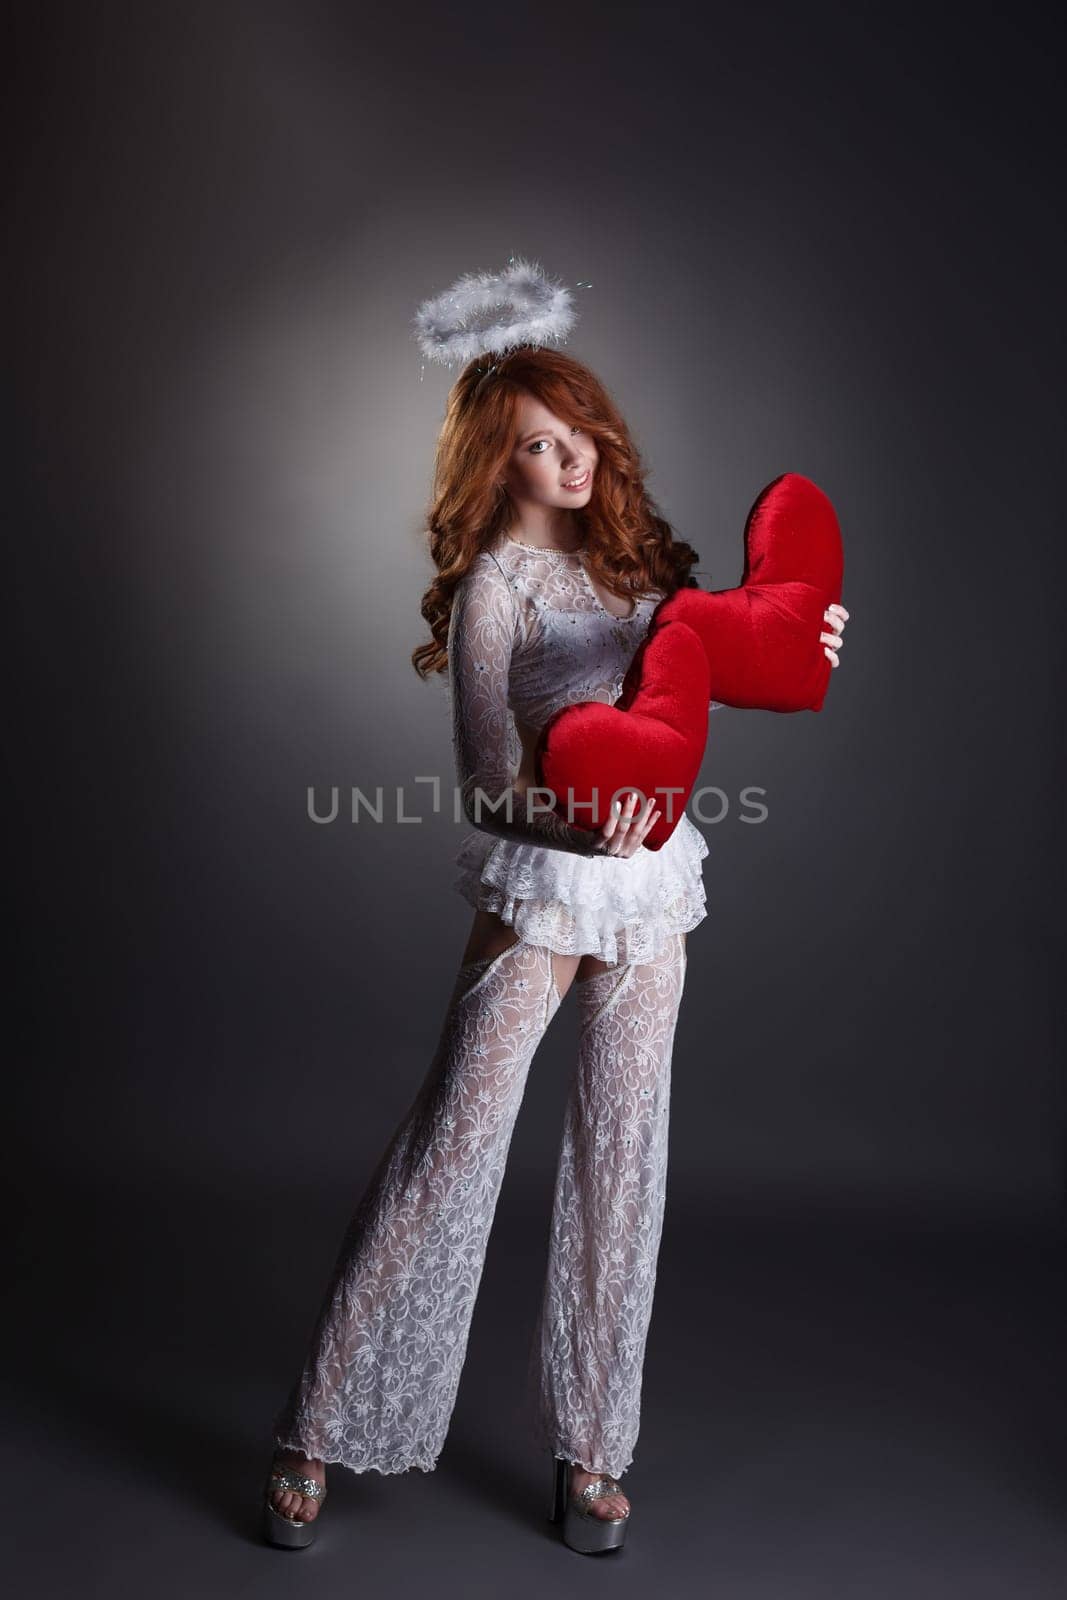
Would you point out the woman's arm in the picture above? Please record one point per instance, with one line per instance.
(482, 633)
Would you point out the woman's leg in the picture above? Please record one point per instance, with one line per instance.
(380, 1377)
(490, 934)
(607, 1216)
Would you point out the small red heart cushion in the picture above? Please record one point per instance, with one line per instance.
(595, 751)
(762, 638)
(756, 646)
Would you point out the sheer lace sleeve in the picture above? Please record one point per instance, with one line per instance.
(483, 631)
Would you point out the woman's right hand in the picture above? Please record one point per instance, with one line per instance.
(623, 834)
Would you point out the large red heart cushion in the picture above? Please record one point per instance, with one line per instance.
(756, 646)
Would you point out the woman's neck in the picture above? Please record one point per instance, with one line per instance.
(548, 527)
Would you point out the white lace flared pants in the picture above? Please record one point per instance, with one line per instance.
(381, 1373)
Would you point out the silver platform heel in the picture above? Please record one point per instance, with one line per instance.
(583, 1530)
(279, 1528)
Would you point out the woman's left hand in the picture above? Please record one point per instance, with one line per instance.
(836, 616)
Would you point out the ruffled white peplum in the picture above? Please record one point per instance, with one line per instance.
(618, 909)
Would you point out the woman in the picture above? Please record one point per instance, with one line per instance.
(551, 559)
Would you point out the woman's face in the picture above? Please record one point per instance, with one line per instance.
(549, 456)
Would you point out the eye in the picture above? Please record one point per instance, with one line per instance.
(534, 451)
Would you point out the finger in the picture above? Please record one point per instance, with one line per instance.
(832, 655)
(626, 820)
(836, 622)
(834, 640)
(640, 831)
(842, 613)
(626, 826)
(619, 828)
(612, 820)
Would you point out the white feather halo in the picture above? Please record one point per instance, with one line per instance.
(528, 307)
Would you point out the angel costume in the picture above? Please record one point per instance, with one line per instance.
(529, 633)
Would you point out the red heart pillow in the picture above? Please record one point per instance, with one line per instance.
(756, 646)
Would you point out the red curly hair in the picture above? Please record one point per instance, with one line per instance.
(631, 548)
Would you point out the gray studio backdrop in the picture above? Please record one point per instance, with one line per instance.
(226, 218)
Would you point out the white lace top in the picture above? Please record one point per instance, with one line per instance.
(529, 634)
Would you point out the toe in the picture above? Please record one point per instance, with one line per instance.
(290, 1502)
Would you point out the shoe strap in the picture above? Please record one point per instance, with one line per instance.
(286, 1478)
(597, 1489)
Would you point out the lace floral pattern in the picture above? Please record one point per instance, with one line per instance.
(528, 635)
(617, 910)
(607, 1217)
(379, 1381)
